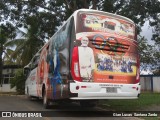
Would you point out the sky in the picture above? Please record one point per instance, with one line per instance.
(147, 31)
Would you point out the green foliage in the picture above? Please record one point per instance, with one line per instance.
(145, 100)
(28, 46)
(7, 33)
(19, 81)
(146, 51)
(156, 72)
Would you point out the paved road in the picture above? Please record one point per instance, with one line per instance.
(70, 111)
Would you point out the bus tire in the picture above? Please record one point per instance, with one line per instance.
(46, 102)
(28, 96)
(88, 103)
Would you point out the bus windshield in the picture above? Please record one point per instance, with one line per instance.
(108, 24)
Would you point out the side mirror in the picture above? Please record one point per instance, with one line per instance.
(26, 71)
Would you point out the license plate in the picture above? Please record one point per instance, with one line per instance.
(111, 90)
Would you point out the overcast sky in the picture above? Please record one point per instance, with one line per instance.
(147, 32)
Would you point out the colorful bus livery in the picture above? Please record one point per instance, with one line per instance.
(103, 23)
(114, 57)
(92, 56)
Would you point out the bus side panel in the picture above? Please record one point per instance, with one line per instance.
(59, 63)
(30, 85)
(42, 72)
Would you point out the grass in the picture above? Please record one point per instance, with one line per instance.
(145, 100)
(150, 118)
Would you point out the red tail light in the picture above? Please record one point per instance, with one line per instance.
(138, 71)
(75, 71)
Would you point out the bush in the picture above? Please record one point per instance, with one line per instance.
(19, 81)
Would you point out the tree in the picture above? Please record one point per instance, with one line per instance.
(156, 39)
(146, 53)
(7, 33)
(19, 81)
(28, 46)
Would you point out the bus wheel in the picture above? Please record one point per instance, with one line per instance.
(88, 103)
(28, 96)
(46, 102)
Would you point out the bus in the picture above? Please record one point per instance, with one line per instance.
(93, 56)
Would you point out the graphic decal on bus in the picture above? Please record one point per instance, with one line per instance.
(86, 59)
(55, 78)
(105, 56)
(59, 59)
(111, 40)
(108, 24)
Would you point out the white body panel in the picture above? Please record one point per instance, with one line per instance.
(99, 91)
(30, 85)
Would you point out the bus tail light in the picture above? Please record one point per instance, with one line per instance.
(136, 88)
(75, 71)
(138, 71)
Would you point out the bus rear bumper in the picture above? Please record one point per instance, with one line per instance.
(84, 90)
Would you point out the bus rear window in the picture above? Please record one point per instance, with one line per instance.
(106, 24)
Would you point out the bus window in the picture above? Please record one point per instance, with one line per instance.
(26, 71)
(35, 61)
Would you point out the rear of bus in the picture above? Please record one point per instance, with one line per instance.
(104, 60)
